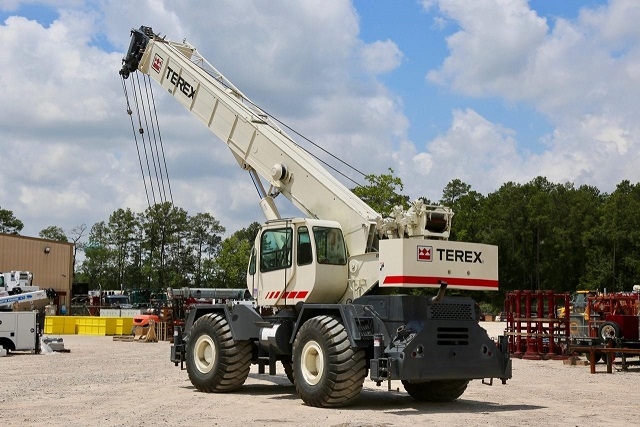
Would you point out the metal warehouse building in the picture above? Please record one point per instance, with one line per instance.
(50, 262)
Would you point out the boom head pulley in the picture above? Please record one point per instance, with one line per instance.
(139, 40)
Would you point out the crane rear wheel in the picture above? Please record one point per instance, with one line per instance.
(288, 370)
(436, 391)
(215, 361)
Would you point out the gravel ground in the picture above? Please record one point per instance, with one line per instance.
(103, 382)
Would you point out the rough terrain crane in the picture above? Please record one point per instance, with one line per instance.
(320, 285)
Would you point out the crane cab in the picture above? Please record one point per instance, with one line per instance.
(298, 260)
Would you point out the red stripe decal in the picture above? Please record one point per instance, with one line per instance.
(435, 281)
(302, 294)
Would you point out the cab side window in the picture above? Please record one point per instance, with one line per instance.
(330, 245)
(305, 252)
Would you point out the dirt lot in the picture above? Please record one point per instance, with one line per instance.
(107, 383)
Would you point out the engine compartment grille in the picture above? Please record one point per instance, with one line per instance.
(451, 311)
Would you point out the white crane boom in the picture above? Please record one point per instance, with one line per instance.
(256, 142)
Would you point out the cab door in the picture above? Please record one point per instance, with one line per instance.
(274, 264)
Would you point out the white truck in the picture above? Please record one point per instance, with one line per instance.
(16, 282)
(329, 319)
(21, 330)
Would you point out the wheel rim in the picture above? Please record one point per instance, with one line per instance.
(204, 354)
(608, 332)
(312, 365)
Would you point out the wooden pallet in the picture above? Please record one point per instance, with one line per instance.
(146, 333)
(125, 338)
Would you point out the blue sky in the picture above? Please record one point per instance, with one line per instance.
(423, 44)
(488, 91)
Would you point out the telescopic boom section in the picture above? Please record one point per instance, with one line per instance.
(257, 143)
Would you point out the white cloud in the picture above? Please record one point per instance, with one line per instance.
(381, 56)
(57, 78)
(67, 147)
(301, 61)
(12, 5)
(582, 75)
(58, 122)
(423, 163)
(493, 46)
(615, 24)
(473, 150)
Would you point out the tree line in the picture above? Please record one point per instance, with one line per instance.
(550, 237)
(554, 236)
(165, 247)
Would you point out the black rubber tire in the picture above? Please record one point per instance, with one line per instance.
(288, 370)
(215, 362)
(436, 391)
(328, 372)
(609, 330)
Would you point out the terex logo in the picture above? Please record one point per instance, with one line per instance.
(459, 256)
(424, 253)
(180, 83)
(157, 63)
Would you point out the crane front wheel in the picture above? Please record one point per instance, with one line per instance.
(328, 372)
